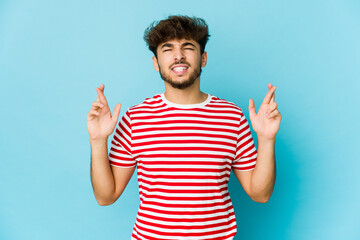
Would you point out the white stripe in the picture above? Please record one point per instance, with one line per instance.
(192, 216)
(185, 238)
(183, 138)
(201, 201)
(183, 223)
(168, 132)
(184, 230)
(183, 145)
(193, 195)
(202, 117)
(167, 125)
(121, 156)
(177, 152)
(186, 209)
(186, 173)
(145, 160)
(204, 180)
(246, 147)
(244, 159)
(162, 186)
(188, 112)
(193, 167)
(122, 140)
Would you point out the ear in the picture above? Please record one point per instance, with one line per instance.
(155, 63)
(203, 59)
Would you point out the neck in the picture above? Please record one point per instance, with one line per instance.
(190, 95)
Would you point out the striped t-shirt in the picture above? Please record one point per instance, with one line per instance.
(184, 155)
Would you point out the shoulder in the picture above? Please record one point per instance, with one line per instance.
(148, 103)
(224, 104)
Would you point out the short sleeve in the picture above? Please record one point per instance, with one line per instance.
(120, 152)
(246, 154)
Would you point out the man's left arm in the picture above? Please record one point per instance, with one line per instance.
(259, 182)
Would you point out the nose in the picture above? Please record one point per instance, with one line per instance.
(179, 54)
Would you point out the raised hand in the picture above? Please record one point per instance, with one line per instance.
(266, 122)
(100, 123)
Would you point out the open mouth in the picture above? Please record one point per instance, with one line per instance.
(180, 69)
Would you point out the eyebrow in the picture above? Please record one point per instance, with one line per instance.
(182, 45)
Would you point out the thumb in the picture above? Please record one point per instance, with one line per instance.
(116, 112)
(252, 112)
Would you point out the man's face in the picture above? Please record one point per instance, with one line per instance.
(179, 62)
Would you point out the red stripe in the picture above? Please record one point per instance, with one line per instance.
(184, 191)
(193, 170)
(182, 234)
(187, 115)
(122, 164)
(184, 212)
(205, 219)
(204, 110)
(179, 141)
(185, 226)
(249, 161)
(244, 129)
(192, 163)
(188, 205)
(189, 198)
(120, 151)
(180, 128)
(119, 142)
(219, 176)
(183, 149)
(195, 121)
(244, 168)
(192, 135)
(246, 135)
(242, 145)
(243, 153)
(175, 155)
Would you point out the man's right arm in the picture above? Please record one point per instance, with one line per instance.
(108, 181)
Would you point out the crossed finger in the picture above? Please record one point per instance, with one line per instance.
(272, 107)
(93, 112)
(270, 96)
(273, 114)
(100, 94)
(96, 105)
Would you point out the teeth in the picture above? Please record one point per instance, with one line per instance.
(178, 69)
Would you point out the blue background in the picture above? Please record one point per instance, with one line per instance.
(53, 54)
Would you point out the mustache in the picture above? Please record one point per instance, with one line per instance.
(180, 62)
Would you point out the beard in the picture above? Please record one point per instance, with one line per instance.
(184, 83)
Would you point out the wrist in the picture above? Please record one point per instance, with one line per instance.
(266, 140)
(98, 141)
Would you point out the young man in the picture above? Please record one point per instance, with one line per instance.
(184, 143)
